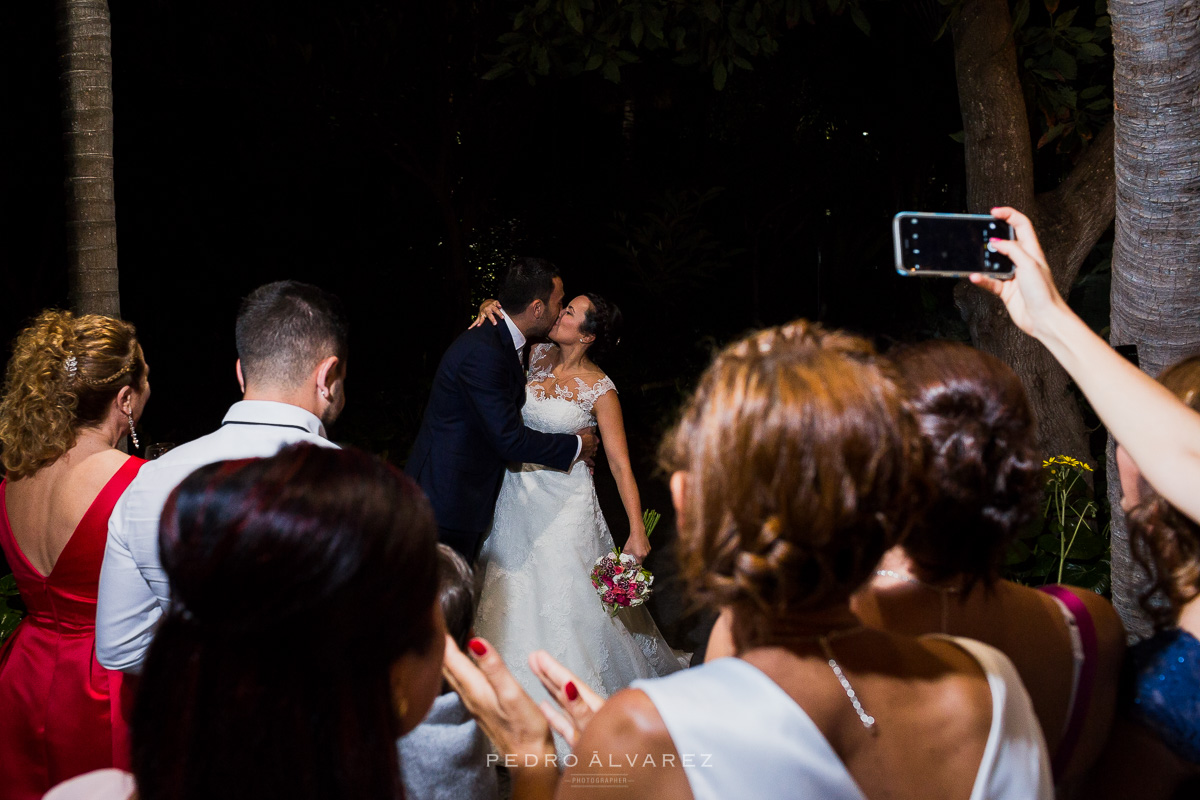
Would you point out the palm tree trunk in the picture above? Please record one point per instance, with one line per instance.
(85, 61)
(1156, 257)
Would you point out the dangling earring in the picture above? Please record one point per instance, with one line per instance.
(132, 432)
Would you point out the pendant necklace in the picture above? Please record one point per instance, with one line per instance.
(943, 592)
(823, 640)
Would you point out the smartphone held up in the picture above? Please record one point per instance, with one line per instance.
(949, 245)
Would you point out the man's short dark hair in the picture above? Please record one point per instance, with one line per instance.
(528, 279)
(284, 329)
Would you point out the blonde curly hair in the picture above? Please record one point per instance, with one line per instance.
(804, 465)
(64, 372)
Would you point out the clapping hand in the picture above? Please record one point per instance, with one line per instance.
(506, 713)
(576, 699)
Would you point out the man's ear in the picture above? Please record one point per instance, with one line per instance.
(241, 380)
(538, 308)
(328, 371)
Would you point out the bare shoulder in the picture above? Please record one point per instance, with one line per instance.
(1110, 632)
(85, 479)
(627, 742)
(628, 717)
(958, 679)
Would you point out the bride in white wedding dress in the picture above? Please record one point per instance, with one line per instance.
(548, 529)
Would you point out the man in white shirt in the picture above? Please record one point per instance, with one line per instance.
(291, 342)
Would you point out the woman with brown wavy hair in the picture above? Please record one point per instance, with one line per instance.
(984, 469)
(1155, 745)
(74, 387)
(795, 467)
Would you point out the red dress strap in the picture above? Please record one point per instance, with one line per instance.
(103, 505)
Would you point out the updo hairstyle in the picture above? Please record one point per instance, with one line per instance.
(803, 467)
(297, 581)
(1165, 542)
(603, 320)
(982, 459)
(45, 402)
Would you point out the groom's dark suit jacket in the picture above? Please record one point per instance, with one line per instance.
(472, 428)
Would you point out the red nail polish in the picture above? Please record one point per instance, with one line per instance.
(570, 690)
(477, 647)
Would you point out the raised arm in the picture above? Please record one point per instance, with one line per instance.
(607, 409)
(1160, 433)
(485, 377)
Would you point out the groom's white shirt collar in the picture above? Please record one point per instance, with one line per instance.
(517, 336)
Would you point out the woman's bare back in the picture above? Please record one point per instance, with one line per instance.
(45, 509)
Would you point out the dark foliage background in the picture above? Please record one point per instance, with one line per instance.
(354, 145)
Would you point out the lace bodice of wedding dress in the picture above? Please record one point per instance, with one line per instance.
(535, 564)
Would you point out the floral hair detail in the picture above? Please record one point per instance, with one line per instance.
(72, 365)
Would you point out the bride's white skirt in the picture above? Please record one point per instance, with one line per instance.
(536, 593)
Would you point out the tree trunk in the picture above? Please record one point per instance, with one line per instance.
(999, 162)
(85, 64)
(1156, 278)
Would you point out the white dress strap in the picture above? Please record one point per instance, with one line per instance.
(1016, 761)
(739, 734)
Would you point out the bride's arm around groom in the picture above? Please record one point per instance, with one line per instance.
(472, 426)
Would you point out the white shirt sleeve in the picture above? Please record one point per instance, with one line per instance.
(133, 587)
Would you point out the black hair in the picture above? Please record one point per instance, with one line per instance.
(284, 329)
(604, 321)
(297, 582)
(528, 279)
(456, 594)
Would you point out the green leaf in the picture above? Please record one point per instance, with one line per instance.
(1062, 61)
(1020, 15)
(743, 63)
(637, 30)
(499, 71)
(959, 137)
(1087, 545)
(1018, 552)
(1089, 49)
(1064, 22)
(710, 10)
(860, 19)
(573, 15)
(1098, 105)
(1090, 92)
(1048, 543)
(594, 61)
(612, 72)
(719, 75)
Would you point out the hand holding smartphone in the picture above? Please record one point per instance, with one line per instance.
(949, 245)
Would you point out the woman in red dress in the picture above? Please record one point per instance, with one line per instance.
(74, 388)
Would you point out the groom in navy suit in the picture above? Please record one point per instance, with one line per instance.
(472, 425)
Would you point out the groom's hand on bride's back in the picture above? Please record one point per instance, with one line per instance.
(591, 442)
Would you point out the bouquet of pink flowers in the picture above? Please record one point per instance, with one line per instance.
(620, 581)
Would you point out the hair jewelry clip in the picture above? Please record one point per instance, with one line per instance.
(72, 365)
